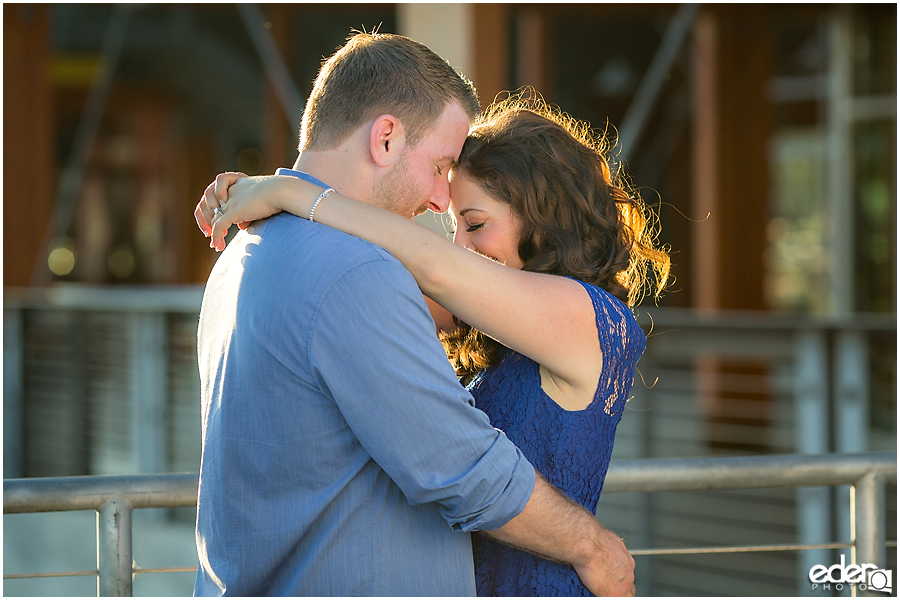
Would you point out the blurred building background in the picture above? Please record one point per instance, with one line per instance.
(764, 135)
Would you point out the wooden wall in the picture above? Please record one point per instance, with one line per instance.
(28, 139)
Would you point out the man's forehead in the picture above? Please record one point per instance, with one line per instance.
(443, 143)
(457, 124)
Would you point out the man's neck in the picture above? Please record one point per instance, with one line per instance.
(336, 169)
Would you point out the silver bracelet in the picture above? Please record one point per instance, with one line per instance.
(315, 205)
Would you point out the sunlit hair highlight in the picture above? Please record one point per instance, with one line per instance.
(579, 219)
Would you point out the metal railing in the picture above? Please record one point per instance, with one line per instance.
(114, 498)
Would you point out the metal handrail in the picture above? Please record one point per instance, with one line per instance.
(52, 494)
(745, 472)
(114, 497)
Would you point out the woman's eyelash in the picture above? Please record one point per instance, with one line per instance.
(472, 228)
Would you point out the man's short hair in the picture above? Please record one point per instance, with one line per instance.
(380, 73)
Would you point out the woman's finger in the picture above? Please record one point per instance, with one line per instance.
(216, 196)
(222, 183)
(198, 216)
(211, 202)
(220, 224)
(203, 213)
(217, 238)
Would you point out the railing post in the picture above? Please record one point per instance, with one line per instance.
(813, 503)
(851, 413)
(114, 558)
(869, 525)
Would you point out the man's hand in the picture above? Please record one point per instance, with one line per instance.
(555, 527)
(610, 572)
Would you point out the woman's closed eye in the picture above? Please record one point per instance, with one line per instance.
(474, 227)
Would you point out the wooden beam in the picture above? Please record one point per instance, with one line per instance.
(491, 39)
(705, 283)
(27, 139)
(530, 48)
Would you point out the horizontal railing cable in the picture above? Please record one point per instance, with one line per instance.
(643, 552)
(738, 549)
(166, 570)
(95, 573)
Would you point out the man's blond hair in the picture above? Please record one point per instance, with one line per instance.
(380, 73)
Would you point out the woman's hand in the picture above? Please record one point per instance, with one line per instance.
(215, 196)
(235, 198)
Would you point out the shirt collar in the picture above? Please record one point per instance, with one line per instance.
(301, 175)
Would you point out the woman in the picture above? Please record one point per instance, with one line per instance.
(548, 347)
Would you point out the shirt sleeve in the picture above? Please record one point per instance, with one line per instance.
(373, 350)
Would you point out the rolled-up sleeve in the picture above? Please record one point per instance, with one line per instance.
(374, 352)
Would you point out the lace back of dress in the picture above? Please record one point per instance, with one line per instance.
(614, 321)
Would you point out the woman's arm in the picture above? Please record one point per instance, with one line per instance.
(443, 319)
(547, 318)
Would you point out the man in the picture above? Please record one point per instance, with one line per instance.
(340, 455)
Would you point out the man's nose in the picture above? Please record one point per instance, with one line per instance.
(440, 199)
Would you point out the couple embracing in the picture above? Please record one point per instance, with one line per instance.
(341, 454)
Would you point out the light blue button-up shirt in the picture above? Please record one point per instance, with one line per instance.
(340, 455)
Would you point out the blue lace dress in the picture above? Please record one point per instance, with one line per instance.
(570, 448)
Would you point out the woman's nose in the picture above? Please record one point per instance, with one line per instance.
(461, 238)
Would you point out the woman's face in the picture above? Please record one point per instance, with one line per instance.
(484, 224)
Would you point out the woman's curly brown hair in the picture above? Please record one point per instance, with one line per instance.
(578, 218)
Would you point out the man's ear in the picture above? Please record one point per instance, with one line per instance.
(387, 140)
